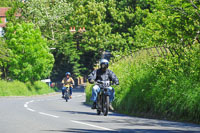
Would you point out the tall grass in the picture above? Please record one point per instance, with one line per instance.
(17, 88)
(158, 87)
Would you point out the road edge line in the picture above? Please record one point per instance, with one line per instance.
(91, 125)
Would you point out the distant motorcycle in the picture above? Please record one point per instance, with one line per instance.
(67, 93)
(103, 98)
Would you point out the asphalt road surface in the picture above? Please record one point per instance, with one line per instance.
(51, 114)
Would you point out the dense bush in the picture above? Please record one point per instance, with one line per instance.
(159, 87)
(30, 57)
(17, 88)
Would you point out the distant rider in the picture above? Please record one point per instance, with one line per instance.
(102, 74)
(67, 82)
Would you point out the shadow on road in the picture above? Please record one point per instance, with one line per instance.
(80, 112)
(140, 122)
(91, 112)
(76, 130)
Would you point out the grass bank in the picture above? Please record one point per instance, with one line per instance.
(17, 88)
(164, 88)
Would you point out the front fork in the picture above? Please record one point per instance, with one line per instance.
(101, 99)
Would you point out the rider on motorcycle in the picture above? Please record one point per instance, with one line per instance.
(67, 82)
(102, 74)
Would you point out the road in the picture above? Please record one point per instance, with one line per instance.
(50, 113)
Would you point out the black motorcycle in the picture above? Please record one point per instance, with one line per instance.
(67, 94)
(103, 102)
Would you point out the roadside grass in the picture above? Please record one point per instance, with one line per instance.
(157, 88)
(17, 88)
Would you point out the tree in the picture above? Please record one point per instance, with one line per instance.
(6, 3)
(67, 58)
(173, 22)
(53, 19)
(99, 35)
(50, 15)
(30, 58)
(4, 58)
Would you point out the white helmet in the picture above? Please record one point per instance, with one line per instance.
(104, 63)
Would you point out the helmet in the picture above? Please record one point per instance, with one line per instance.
(67, 73)
(104, 63)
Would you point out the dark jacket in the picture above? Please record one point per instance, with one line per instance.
(107, 75)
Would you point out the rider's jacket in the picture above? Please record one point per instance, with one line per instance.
(107, 75)
(68, 82)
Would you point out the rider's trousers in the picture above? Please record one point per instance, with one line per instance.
(96, 90)
(64, 89)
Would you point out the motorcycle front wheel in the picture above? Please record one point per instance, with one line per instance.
(67, 95)
(106, 105)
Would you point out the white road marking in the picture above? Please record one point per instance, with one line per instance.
(48, 114)
(80, 95)
(92, 125)
(42, 113)
(30, 109)
(26, 106)
(31, 101)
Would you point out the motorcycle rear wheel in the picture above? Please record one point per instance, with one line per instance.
(106, 105)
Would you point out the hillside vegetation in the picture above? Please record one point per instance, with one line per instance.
(17, 88)
(116, 26)
(166, 88)
(41, 43)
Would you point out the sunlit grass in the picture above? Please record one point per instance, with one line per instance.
(150, 88)
(17, 88)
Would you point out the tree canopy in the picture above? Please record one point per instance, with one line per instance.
(116, 26)
(30, 59)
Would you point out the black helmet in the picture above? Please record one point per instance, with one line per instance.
(104, 64)
(67, 73)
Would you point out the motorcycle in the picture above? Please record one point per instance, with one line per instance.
(67, 93)
(103, 102)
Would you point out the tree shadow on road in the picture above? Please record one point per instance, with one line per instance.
(76, 130)
(140, 122)
(80, 112)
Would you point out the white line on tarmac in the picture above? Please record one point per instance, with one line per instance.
(92, 125)
(26, 106)
(30, 109)
(48, 114)
(78, 122)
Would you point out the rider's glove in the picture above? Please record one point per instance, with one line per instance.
(91, 81)
(115, 83)
(99, 81)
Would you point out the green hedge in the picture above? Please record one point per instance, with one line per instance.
(17, 88)
(166, 88)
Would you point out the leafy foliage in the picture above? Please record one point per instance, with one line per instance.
(165, 87)
(175, 23)
(4, 57)
(162, 87)
(107, 28)
(158, 87)
(30, 58)
(51, 17)
(6, 3)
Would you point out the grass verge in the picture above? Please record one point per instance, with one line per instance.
(17, 88)
(163, 88)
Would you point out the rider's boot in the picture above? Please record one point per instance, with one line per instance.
(62, 96)
(94, 105)
(111, 107)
